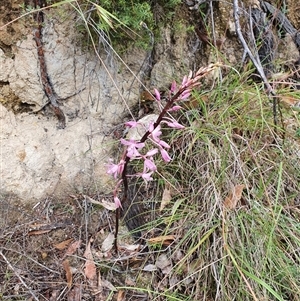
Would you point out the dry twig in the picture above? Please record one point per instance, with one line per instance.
(20, 278)
(255, 61)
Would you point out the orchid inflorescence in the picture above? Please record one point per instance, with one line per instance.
(133, 148)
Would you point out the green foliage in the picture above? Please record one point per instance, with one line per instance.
(130, 13)
(124, 22)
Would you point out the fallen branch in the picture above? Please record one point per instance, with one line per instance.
(256, 62)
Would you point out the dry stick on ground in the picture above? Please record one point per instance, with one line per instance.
(20, 278)
(256, 62)
(30, 258)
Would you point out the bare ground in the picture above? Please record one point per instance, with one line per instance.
(46, 250)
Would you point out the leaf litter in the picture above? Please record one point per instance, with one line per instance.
(68, 262)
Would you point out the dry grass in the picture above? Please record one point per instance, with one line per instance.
(250, 250)
(30, 255)
(247, 249)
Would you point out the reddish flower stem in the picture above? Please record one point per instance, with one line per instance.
(188, 85)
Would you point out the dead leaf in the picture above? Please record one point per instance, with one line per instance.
(150, 268)
(72, 248)
(107, 205)
(90, 267)
(167, 270)
(75, 294)
(174, 280)
(62, 245)
(38, 232)
(106, 284)
(67, 269)
(288, 100)
(54, 295)
(162, 262)
(129, 281)
(44, 255)
(131, 248)
(121, 295)
(178, 255)
(136, 262)
(166, 198)
(108, 243)
(37, 229)
(165, 240)
(234, 196)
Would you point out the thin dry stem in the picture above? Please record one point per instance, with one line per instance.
(19, 277)
(255, 61)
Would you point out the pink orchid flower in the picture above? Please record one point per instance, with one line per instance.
(187, 80)
(175, 108)
(112, 170)
(184, 80)
(115, 169)
(149, 164)
(156, 133)
(147, 176)
(175, 125)
(173, 86)
(132, 147)
(133, 153)
(132, 143)
(151, 127)
(118, 203)
(165, 155)
(157, 94)
(164, 144)
(151, 152)
(131, 124)
(185, 94)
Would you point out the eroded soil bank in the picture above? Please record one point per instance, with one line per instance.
(37, 158)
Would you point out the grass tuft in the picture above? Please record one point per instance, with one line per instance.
(249, 252)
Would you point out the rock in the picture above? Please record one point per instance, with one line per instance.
(136, 133)
(37, 159)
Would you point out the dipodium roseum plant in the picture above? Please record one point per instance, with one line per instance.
(134, 150)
